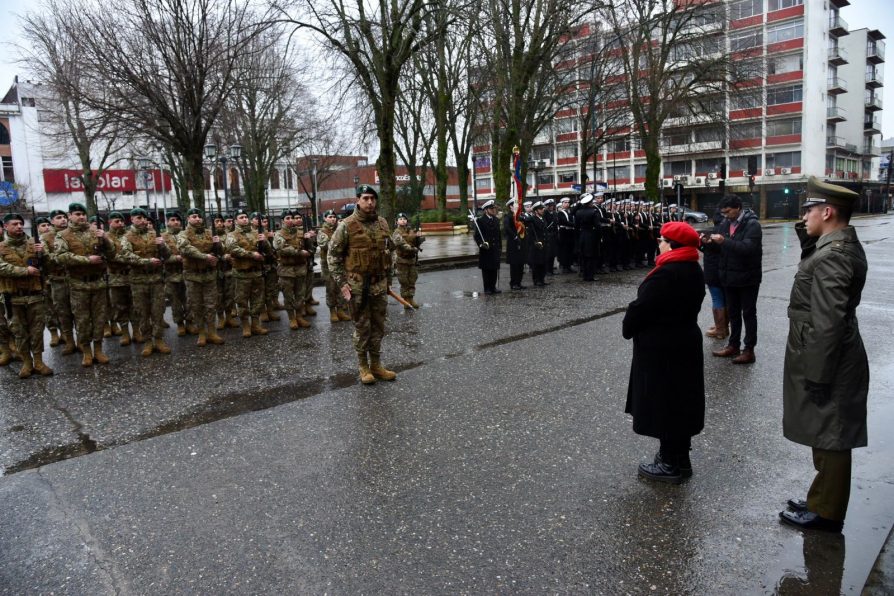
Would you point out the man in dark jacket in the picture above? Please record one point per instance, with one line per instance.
(538, 245)
(487, 237)
(741, 253)
(516, 247)
(826, 372)
(586, 222)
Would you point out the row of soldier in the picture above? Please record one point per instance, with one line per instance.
(85, 283)
(598, 235)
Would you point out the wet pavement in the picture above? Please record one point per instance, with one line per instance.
(500, 460)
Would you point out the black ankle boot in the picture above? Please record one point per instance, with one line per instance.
(662, 470)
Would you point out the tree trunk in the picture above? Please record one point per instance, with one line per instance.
(653, 167)
(462, 174)
(385, 161)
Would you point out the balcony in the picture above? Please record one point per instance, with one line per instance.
(837, 56)
(872, 126)
(836, 85)
(837, 26)
(874, 78)
(871, 149)
(833, 142)
(872, 103)
(835, 114)
(875, 52)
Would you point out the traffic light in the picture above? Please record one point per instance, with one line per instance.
(751, 180)
(786, 190)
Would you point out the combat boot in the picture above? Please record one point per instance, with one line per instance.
(257, 328)
(344, 315)
(293, 324)
(39, 365)
(192, 329)
(13, 350)
(231, 322)
(125, 336)
(70, 346)
(203, 338)
(333, 315)
(246, 327)
(98, 356)
(271, 314)
(408, 305)
(137, 335)
(379, 371)
(308, 309)
(87, 360)
(116, 329)
(5, 355)
(213, 337)
(107, 330)
(148, 348)
(161, 347)
(181, 329)
(312, 302)
(27, 366)
(366, 376)
(300, 320)
(221, 322)
(414, 303)
(54, 338)
(265, 318)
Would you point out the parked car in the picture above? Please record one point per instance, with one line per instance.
(694, 217)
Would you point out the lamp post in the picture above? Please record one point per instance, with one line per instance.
(314, 161)
(536, 166)
(144, 163)
(233, 152)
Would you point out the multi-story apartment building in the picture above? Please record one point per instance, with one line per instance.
(814, 110)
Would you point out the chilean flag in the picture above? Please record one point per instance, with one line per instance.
(519, 192)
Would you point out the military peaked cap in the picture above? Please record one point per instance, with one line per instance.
(819, 193)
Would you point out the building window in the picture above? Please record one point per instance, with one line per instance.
(4, 135)
(708, 134)
(783, 64)
(676, 138)
(274, 179)
(542, 152)
(618, 173)
(544, 179)
(785, 31)
(749, 130)
(708, 165)
(565, 125)
(741, 9)
(788, 159)
(639, 170)
(780, 4)
(746, 100)
(745, 40)
(566, 151)
(619, 145)
(8, 174)
(746, 163)
(786, 94)
(482, 183)
(677, 168)
(567, 177)
(789, 126)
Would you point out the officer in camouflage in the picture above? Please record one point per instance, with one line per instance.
(271, 282)
(360, 261)
(311, 246)
(82, 251)
(248, 264)
(146, 252)
(120, 303)
(52, 322)
(226, 303)
(175, 288)
(200, 248)
(22, 289)
(290, 245)
(407, 242)
(58, 281)
(338, 308)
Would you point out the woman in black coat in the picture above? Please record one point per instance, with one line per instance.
(666, 393)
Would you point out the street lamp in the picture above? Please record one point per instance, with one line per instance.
(144, 163)
(314, 161)
(233, 152)
(536, 166)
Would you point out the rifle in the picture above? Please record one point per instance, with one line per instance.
(484, 243)
(37, 261)
(416, 238)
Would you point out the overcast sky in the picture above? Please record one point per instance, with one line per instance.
(877, 14)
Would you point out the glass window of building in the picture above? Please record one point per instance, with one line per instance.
(4, 135)
(677, 168)
(741, 162)
(746, 99)
(678, 137)
(708, 134)
(785, 31)
(639, 170)
(544, 178)
(542, 152)
(786, 159)
(481, 183)
(787, 126)
(8, 174)
(744, 40)
(565, 125)
(780, 4)
(567, 150)
(567, 177)
(784, 94)
(617, 173)
(783, 64)
(708, 165)
(745, 130)
(741, 9)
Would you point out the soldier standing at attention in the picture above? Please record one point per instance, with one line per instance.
(22, 290)
(338, 308)
(120, 302)
(407, 242)
(226, 303)
(82, 250)
(311, 246)
(291, 250)
(360, 262)
(199, 247)
(248, 265)
(271, 281)
(146, 253)
(52, 321)
(490, 245)
(175, 287)
(58, 282)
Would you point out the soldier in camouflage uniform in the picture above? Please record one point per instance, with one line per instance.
(360, 261)
(199, 248)
(175, 288)
(52, 322)
(22, 289)
(248, 263)
(271, 281)
(120, 302)
(58, 282)
(309, 302)
(338, 308)
(226, 303)
(82, 250)
(98, 223)
(290, 244)
(146, 253)
(7, 341)
(407, 242)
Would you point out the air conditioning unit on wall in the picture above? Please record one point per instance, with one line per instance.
(668, 182)
(785, 171)
(712, 176)
(699, 180)
(684, 179)
(770, 172)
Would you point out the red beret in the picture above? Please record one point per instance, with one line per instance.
(680, 232)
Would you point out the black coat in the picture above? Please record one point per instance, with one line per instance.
(538, 241)
(516, 248)
(588, 231)
(666, 392)
(742, 253)
(490, 228)
(711, 259)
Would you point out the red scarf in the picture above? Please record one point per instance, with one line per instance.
(676, 255)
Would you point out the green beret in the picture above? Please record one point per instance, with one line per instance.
(138, 211)
(401, 216)
(328, 213)
(239, 212)
(175, 215)
(96, 219)
(115, 215)
(75, 207)
(195, 211)
(367, 189)
(42, 220)
(11, 216)
(820, 193)
(56, 212)
(219, 216)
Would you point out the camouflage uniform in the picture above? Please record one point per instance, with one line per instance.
(360, 256)
(196, 244)
(87, 285)
(241, 243)
(25, 294)
(291, 250)
(407, 244)
(120, 302)
(309, 301)
(175, 288)
(60, 297)
(226, 303)
(138, 247)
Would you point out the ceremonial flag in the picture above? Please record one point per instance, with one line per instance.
(519, 192)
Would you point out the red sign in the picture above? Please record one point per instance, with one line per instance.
(110, 181)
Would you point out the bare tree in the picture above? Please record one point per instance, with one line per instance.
(414, 134)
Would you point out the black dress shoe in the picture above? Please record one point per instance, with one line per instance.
(808, 520)
(685, 466)
(661, 471)
(797, 504)
(496, 291)
(488, 292)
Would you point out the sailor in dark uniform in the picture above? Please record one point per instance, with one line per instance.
(487, 237)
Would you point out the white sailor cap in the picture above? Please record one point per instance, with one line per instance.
(488, 204)
(565, 200)
(586, 199)
(527, 204)
(537, 205)
(510, 202)
(549, 202)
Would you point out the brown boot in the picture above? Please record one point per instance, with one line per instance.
(70, 346)
(98, 356)
(231, 322)
(723, 322)
(137, 335)
(265, 318)
(148, 348)
(333, 315)
(116, 329)
(414, 303)
(87, 352)
(271, 314)
(107, 330)
(746, 357)
(408, 305)
(727, 352)
(220, 322)
(246, 327)
(181, 330)
(39, 366)
(257, 328)
(300, 320)
(293, 324)
(125, 336)
(712, 330)
(202, 341)
(718, 331)
(5, 355)
(344, 315)
(366, 376)
(192, 329)
(312, 302)
(54, 338)
(308, 309)
(27, 366)
(379, 371)
(213, 337)
(161, 347)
